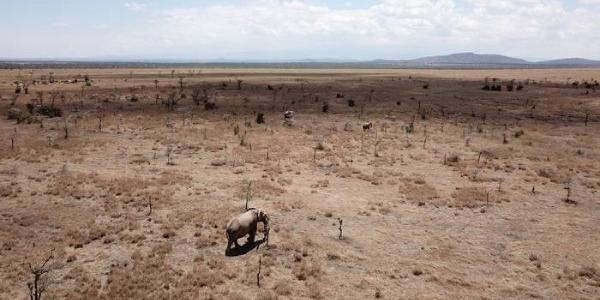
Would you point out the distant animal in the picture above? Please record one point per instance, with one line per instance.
(367, 126)
(288, 114)
(246, 224)
(288, 118)
(348, 126)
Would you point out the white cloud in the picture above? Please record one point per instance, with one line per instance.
(298, 28)
(288, 29)
(589, 2)
(135, 6)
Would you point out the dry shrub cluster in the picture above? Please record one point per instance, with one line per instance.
(471, 197)
(418, 190)
(588, 274)
(9, 190)
(152, 277)
(553, 175)
(305, 269)
(69, 184)
(346, 171)
(207, 238)
(259, 189)
(82, 285)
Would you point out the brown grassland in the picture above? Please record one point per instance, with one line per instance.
(455, 193)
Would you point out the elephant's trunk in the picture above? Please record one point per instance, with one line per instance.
(267, 229)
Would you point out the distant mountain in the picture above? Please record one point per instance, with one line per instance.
(468, 58)
(570, 62)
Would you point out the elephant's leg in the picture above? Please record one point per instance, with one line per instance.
(252, 235)
(236, 242)
(229, 242)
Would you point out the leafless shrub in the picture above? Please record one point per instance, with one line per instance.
(453, 158)
(260, 118)
(519, 133)
(39, 281)
(210, 105)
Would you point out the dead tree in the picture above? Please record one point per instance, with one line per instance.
(181, 84)
(100, 117)
(425, 139)
(411, 126)
(13, 137)
(340, 228)
(40, 96)
(248, 194)
(66, 129)
(169, 150)
(39, 282)
(197, 97)
(171, 100)
(587, 117)
(568, 187)
(53, 96)
(258, 273)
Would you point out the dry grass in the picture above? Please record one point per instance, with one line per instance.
(137, 210)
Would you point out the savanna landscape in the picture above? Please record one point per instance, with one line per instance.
(390, 183)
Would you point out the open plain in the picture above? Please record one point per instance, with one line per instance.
(124, 179)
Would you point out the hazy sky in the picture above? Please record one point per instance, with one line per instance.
(277, 29)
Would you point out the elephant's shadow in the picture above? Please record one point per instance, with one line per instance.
(244, 249)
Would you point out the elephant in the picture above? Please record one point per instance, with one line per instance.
(246, 223)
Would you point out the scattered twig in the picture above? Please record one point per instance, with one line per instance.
(258, 273)
(340, 228)
(248, 193)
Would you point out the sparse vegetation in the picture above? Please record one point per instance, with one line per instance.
(260, 118)
(39, 282)
(325, 107)
(135, 195)
(49, 111)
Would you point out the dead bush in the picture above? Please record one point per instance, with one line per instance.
(49, 111)
(452, 159)
(304, 270)
(283, 287)
(519, 133)
(471, 197)
(18, 115)
(418, 191)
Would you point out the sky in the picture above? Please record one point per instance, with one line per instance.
(267, 30)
